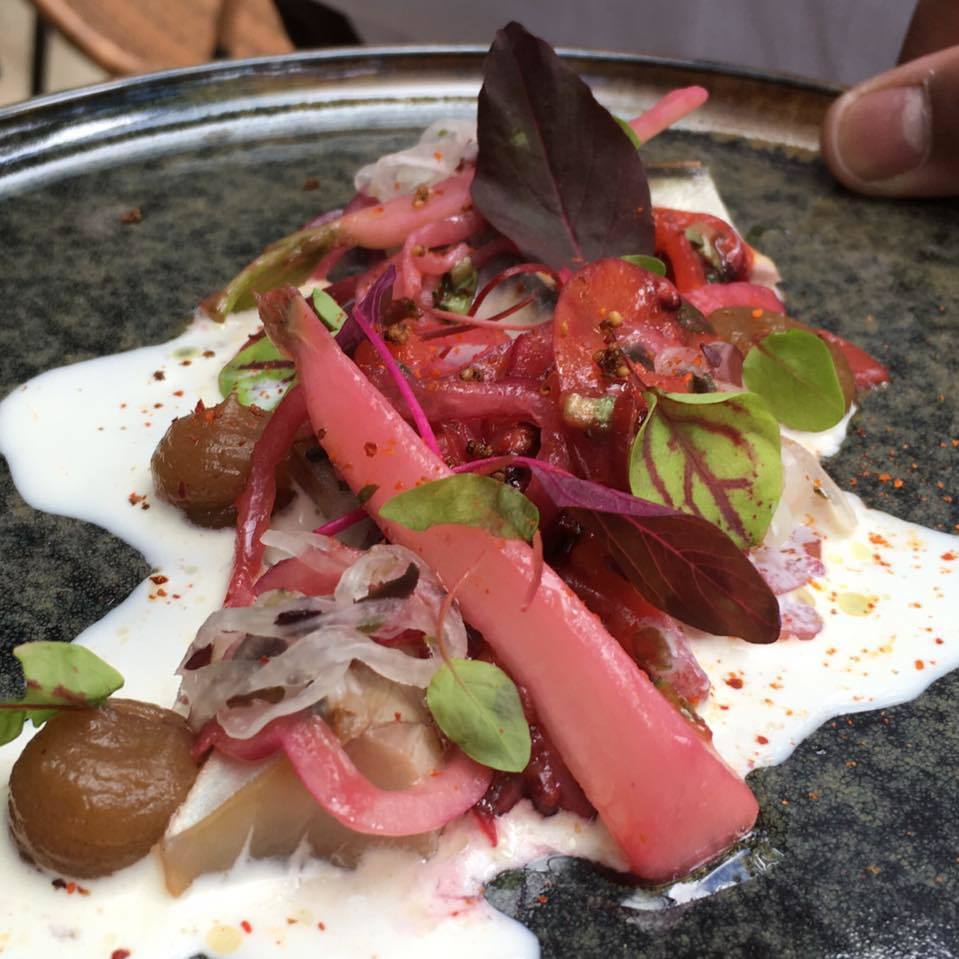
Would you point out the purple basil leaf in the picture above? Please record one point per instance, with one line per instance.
(555, 173)
(681, 564)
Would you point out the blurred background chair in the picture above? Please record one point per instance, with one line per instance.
(137, 36)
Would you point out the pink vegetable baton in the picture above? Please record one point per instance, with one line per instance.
(665, 795)
(326, 769)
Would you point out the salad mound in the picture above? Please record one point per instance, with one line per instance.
(560, 412)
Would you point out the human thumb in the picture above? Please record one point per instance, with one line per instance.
(897, 134)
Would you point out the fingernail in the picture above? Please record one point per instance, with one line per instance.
(884, 133)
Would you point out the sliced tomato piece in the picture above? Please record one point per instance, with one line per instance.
(715, 296)
(531, 357)
(866, 370)
(720, 253)
(612, 305)
(441, 356)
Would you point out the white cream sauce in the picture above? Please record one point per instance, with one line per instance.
(79, 441)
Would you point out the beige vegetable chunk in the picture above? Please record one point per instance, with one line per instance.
(264, 808)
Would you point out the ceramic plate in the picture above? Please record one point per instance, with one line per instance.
(860, 828)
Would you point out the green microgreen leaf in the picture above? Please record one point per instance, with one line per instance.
(259, 375)
(651, 263)
(465, 500)
(57, 676)
(457, 288)
(795, 374)
(478, 707)
(331, 314)
(714, 455)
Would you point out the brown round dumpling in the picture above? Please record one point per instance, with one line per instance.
(94, 789)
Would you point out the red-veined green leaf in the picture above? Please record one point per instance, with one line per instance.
(713, 455)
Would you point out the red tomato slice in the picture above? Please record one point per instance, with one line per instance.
(434, 358)
(612, 304)
(687, 265)
(866, 371)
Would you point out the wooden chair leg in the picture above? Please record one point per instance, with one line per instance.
(224, 28)
(41, 43)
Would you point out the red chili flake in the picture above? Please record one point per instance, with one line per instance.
(939, 640)
(246, 927)
(897, 483)
(814, 796)
(133, 215)
(120, 954)
(757, 314)
(178, 392)
(734, 681)
(398, 716)
(208, 353)
(370, 449)
(311, 183)
(185, 362)
(884, 477)
(542, 900)
(136, 498)
(920, 664)
(159, 375)
(264, 660)
(762, 740)
(159, 579)
(321, 926)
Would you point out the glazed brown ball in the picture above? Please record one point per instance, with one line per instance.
(203, 461)
(94, 789)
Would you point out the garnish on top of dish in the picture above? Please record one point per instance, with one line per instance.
(564, 409)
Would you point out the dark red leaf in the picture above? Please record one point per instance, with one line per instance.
(688, 568)
(681, 564)
(555, 172)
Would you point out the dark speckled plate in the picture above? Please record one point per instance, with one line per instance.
(864, 818)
